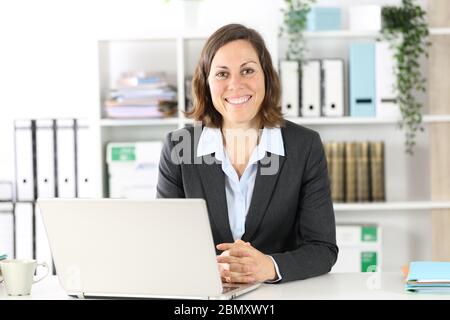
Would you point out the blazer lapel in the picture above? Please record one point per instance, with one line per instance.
(213, 180)
(265, 183)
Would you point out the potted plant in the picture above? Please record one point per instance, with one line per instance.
(406, 30)
(294, 24)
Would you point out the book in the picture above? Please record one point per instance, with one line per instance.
(377, 179)
(350, 172)
(362, 172)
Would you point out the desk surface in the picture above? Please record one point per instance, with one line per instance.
(360, 286)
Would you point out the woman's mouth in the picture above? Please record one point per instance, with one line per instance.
(237, 101)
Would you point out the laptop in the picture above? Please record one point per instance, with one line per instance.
(135, 249)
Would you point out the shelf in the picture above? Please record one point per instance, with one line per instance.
(308, 34)
(299, 120)
(358, 121)
(139, 122)
(361, 34)
(439, 31)
(391, 206)
(340, 34)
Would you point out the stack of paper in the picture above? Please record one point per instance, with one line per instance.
(142, 95)
(430, 277)
(2, 257)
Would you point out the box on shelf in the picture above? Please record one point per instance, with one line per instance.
(133, 169)
(365, 18)
(360, 248)
(324, 19)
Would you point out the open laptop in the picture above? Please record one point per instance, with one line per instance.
(134, 248)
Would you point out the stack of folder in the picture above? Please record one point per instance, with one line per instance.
(428, 277)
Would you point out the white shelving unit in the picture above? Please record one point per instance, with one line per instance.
(407, 178)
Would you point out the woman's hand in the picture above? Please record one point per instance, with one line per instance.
(245, 263)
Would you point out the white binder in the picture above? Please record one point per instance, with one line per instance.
(386, 103)
(24, 230)
(65, 146)
(24, 160)
(290, 88)
(7, 229)
(43, 253)
(84, 160)
(310, 97)
(333, 87)
(45, 158)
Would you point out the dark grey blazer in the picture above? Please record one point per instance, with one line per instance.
(291, 214)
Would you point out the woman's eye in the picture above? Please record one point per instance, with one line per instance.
(247, 71)
(221, 75)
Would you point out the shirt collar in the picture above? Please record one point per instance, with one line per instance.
(211, 142)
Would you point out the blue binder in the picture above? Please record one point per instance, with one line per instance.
(362, 79)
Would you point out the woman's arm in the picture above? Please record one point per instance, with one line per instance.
(318, 251)
(170, 183)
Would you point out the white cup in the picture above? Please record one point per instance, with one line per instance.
(18, 275)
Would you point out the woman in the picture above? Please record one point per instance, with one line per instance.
(264, 179)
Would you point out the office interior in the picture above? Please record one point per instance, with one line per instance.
(61, 60)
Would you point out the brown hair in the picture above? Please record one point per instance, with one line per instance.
(203, 109)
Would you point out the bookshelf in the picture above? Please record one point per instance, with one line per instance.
(405, 214)
(362, 34)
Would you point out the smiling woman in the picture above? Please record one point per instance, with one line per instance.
(235, 61)
(236, 81)
(264, 179)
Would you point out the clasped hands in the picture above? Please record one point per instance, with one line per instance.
(242, 263)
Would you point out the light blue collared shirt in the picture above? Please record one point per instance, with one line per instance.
(239, 191)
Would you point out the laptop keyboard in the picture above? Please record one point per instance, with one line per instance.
(228, 289)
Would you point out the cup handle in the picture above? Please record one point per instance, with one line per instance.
(45, 265)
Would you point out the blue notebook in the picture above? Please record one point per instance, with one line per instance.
(429, 271)
(428, 276)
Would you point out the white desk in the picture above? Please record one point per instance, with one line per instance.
(361, 286)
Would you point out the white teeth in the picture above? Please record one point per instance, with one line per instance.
(239, 100)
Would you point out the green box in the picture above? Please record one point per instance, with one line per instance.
(368, 261)
(123, 153)
(369, 234)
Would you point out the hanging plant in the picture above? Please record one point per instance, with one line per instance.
(406, 30)
(294, 24)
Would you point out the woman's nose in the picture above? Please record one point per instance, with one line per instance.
(235, 82)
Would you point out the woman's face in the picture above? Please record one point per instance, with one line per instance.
(236, 81)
